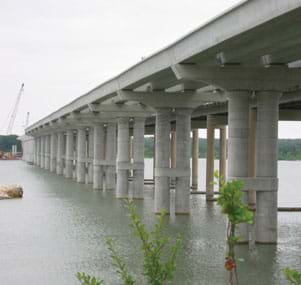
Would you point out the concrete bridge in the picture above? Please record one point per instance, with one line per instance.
(241, 69)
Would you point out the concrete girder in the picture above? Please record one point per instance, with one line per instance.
(242, 78)
(161, 99)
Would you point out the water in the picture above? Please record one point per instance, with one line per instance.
(59, 227)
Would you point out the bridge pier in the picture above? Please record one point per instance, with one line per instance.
(266, 166)
(195, 159)
(69, 154)
(183, 154)
(110, 156)
(53, 151)
(60, 153)
(210, 159)
(81, 155)
(162, 179)
(123, 159)
(138, 158)
(99, 156)
(90, 155)
(238, 120)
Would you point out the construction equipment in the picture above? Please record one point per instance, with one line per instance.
(14, 111)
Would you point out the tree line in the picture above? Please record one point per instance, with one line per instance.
(288, 149)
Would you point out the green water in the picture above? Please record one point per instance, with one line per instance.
(59, 227)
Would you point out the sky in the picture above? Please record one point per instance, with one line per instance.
(61, 49)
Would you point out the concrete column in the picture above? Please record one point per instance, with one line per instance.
(81, 155)
(69, 154)
(195, 158)
(53, 151)
(90, 155)
(162, 180)
(266, 165)
(123, 158)
(35, 156)
(173, 149)
(252, 154)
(42, 159)
(110, 147)
(154, 157)
(99, 156)
(47, 152)
(138, 158)
(210, 159)
(222, 153)
(173, 155)
(183, 127)
(60, 153)
(238, 121)
(74, 158)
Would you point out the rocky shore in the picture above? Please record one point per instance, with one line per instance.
(10, 191)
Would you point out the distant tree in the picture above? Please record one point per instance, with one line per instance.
(6, 143)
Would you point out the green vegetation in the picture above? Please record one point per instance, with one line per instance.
(159, 253)
(230, 200)
(293, 276)
(6, 143)
(288, 149)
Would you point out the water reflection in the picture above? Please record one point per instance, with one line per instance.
(59, 227)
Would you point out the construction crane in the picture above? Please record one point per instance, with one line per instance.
(14, 111)
(27, 120)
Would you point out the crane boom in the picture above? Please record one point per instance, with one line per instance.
(14, 112)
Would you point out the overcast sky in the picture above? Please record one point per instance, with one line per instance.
(61, 49)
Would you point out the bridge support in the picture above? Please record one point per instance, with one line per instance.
(69, 154)
(53, 151)
(195, 159)
(123, 159)
(162, 180)
(110, 155)
(99, 141)
(90, 156)
(266, 166)
(222, 153)
(138, 158)
(238, 120)
(210, 159)
(60, 153)
(81, 155)
(183, 127)
(47, 152)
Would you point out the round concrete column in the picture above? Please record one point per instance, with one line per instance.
(210, 159)
(183, 127)
(266, 165)
(123, 159)
(110, 155)
(60, 153)
(47, 152)
(195, 159)
(90, 155)
(238, 121)
(252, 154)
(173, 154)
(53, 151)
(138, 158)
(98, 152)
(81, 155)
(38, 153)
(42, 159)
(69, 154)
(162, 180)
(35, 158)
(222, 153)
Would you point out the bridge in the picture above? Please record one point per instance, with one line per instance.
(241, 70)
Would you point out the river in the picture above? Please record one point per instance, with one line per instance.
(59, 228)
